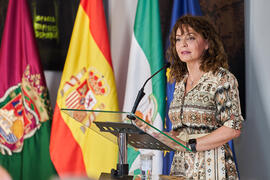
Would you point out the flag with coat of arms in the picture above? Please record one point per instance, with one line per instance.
(25, 112)
(146, 57)
(87, 83)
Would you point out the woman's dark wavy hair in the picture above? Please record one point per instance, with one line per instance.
(212, 59)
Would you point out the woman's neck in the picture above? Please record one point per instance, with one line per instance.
(194, 72)
(194, 69)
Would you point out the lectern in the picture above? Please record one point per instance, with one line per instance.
(124, 128)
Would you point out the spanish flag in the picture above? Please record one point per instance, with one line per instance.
(87, 83)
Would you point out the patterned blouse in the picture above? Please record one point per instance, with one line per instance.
(213, 102)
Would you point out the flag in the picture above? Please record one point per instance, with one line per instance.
(146, 57)
(180, 8)
(25, 112)
(87, 83)
(231, 144)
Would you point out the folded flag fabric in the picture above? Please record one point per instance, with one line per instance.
(146, 57)
(87, 83)
(25, 112)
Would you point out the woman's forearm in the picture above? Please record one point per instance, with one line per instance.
(217, 138)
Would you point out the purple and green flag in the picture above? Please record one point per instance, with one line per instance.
(25, 112)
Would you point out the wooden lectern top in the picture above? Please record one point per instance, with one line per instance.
(164, 177)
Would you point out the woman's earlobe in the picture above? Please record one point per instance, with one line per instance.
(207, 47)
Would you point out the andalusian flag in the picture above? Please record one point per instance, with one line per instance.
(146, 57)
(87, 83)
(25, 112)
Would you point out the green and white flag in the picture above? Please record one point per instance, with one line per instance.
(146, 57)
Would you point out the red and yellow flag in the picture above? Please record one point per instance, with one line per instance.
(87, 83)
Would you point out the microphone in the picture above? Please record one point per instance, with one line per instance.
(141, 92)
